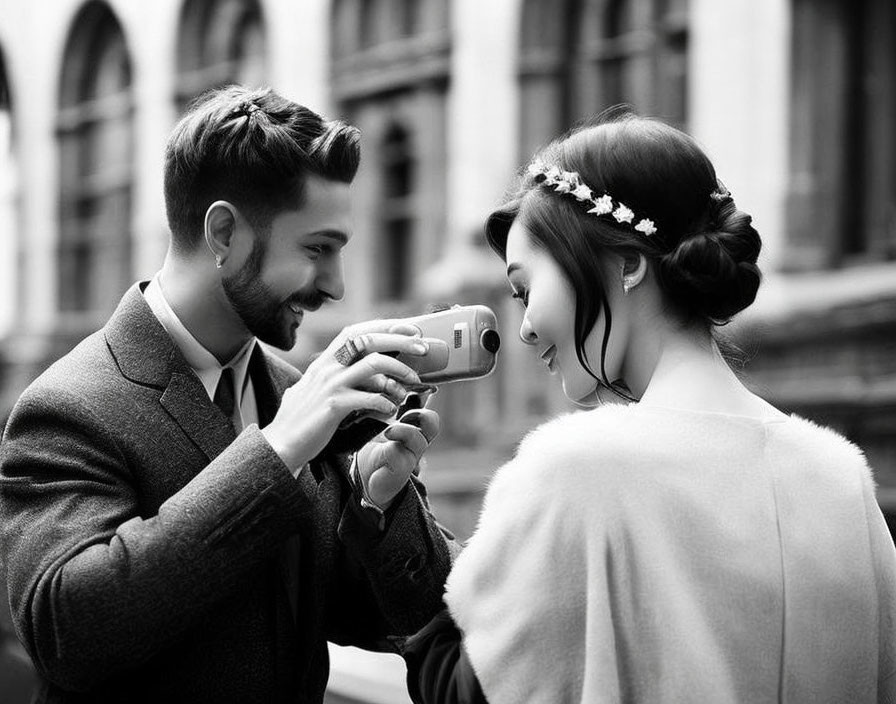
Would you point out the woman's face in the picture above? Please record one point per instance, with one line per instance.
(549, 320)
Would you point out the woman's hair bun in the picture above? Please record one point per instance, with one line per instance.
(712, 272)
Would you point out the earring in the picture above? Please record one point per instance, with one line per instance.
(626, 286)
(218, 261)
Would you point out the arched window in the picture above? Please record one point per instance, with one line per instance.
(7, 156)
(672, 63)
(95, 129)
(545, 70)
(395, 250)
(346, 35)
(614, 50)
(8, 203)
(409, 17)
(579, 57)
(379, 21)
(221, 42)
(372, 18)
(391, 66)
(386, 45)
(5, 115)
(841, 207)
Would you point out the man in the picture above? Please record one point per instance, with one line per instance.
(182, 519)
(16, 675)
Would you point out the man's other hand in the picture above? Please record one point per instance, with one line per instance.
(386, 463)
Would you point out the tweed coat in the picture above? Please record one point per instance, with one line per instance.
(147, 546)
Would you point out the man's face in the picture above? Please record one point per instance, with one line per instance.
(297, 268)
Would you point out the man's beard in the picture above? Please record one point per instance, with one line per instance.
(266, 317)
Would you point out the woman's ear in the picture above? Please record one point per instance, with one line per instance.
(220, 222)
(634, 269)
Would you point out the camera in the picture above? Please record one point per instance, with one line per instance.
(463, 343)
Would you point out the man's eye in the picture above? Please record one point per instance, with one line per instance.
(315, 249)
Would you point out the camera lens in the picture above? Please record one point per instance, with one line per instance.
(490, 340)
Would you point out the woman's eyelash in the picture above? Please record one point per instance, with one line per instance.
(522, 296)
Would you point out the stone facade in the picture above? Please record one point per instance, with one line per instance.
(793, 99)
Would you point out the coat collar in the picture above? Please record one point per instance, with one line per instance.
(146, 355)
(144, 352)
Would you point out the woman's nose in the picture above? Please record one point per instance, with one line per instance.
(527, 332)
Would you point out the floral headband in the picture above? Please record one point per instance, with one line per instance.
(571, 183)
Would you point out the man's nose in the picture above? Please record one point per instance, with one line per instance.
(330, 280)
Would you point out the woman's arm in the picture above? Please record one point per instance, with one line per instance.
(439, 671)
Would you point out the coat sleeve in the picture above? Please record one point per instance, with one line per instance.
(399, 573)
(390, 582)
(439, 671)
(94, 587)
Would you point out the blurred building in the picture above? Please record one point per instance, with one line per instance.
(794, 100)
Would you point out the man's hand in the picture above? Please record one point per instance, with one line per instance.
(355, 374)
(386, 466)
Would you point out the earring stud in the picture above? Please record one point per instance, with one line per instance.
(218, 262)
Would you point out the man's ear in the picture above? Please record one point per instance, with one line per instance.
(220, 223)
(634, 269)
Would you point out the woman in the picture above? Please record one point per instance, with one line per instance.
(694, 543)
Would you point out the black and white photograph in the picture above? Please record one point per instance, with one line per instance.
(448, 352)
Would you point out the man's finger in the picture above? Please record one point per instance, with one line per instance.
(388, 387)
(360, 373)
(408, 436)
(385, 325)
(385, 483)
(366, 403)
(425, 419)
(395, 343)
(402, 328)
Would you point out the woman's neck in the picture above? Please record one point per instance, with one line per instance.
(689, 372)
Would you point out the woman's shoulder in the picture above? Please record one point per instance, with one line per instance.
(603, 432)
(578, 445)
(822, 438)
(819, 448)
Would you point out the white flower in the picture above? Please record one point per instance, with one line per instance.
(602, 206)
(582, 192)
(623, 214)
(646, 226)
(536, 168)
(571, 182)
(563, 187)
(552, 175)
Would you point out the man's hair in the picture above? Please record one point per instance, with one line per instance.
(252, 148)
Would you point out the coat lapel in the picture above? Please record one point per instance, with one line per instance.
(271, 380)
(187, 402)
(147, 355)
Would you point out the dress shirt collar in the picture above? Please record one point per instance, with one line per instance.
(203, 362)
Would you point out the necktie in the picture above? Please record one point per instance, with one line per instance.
(225, 396)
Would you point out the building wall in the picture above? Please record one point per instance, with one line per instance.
(740, 102)
(822, 332)
(737, 109)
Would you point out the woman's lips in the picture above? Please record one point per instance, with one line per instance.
(548, 357)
